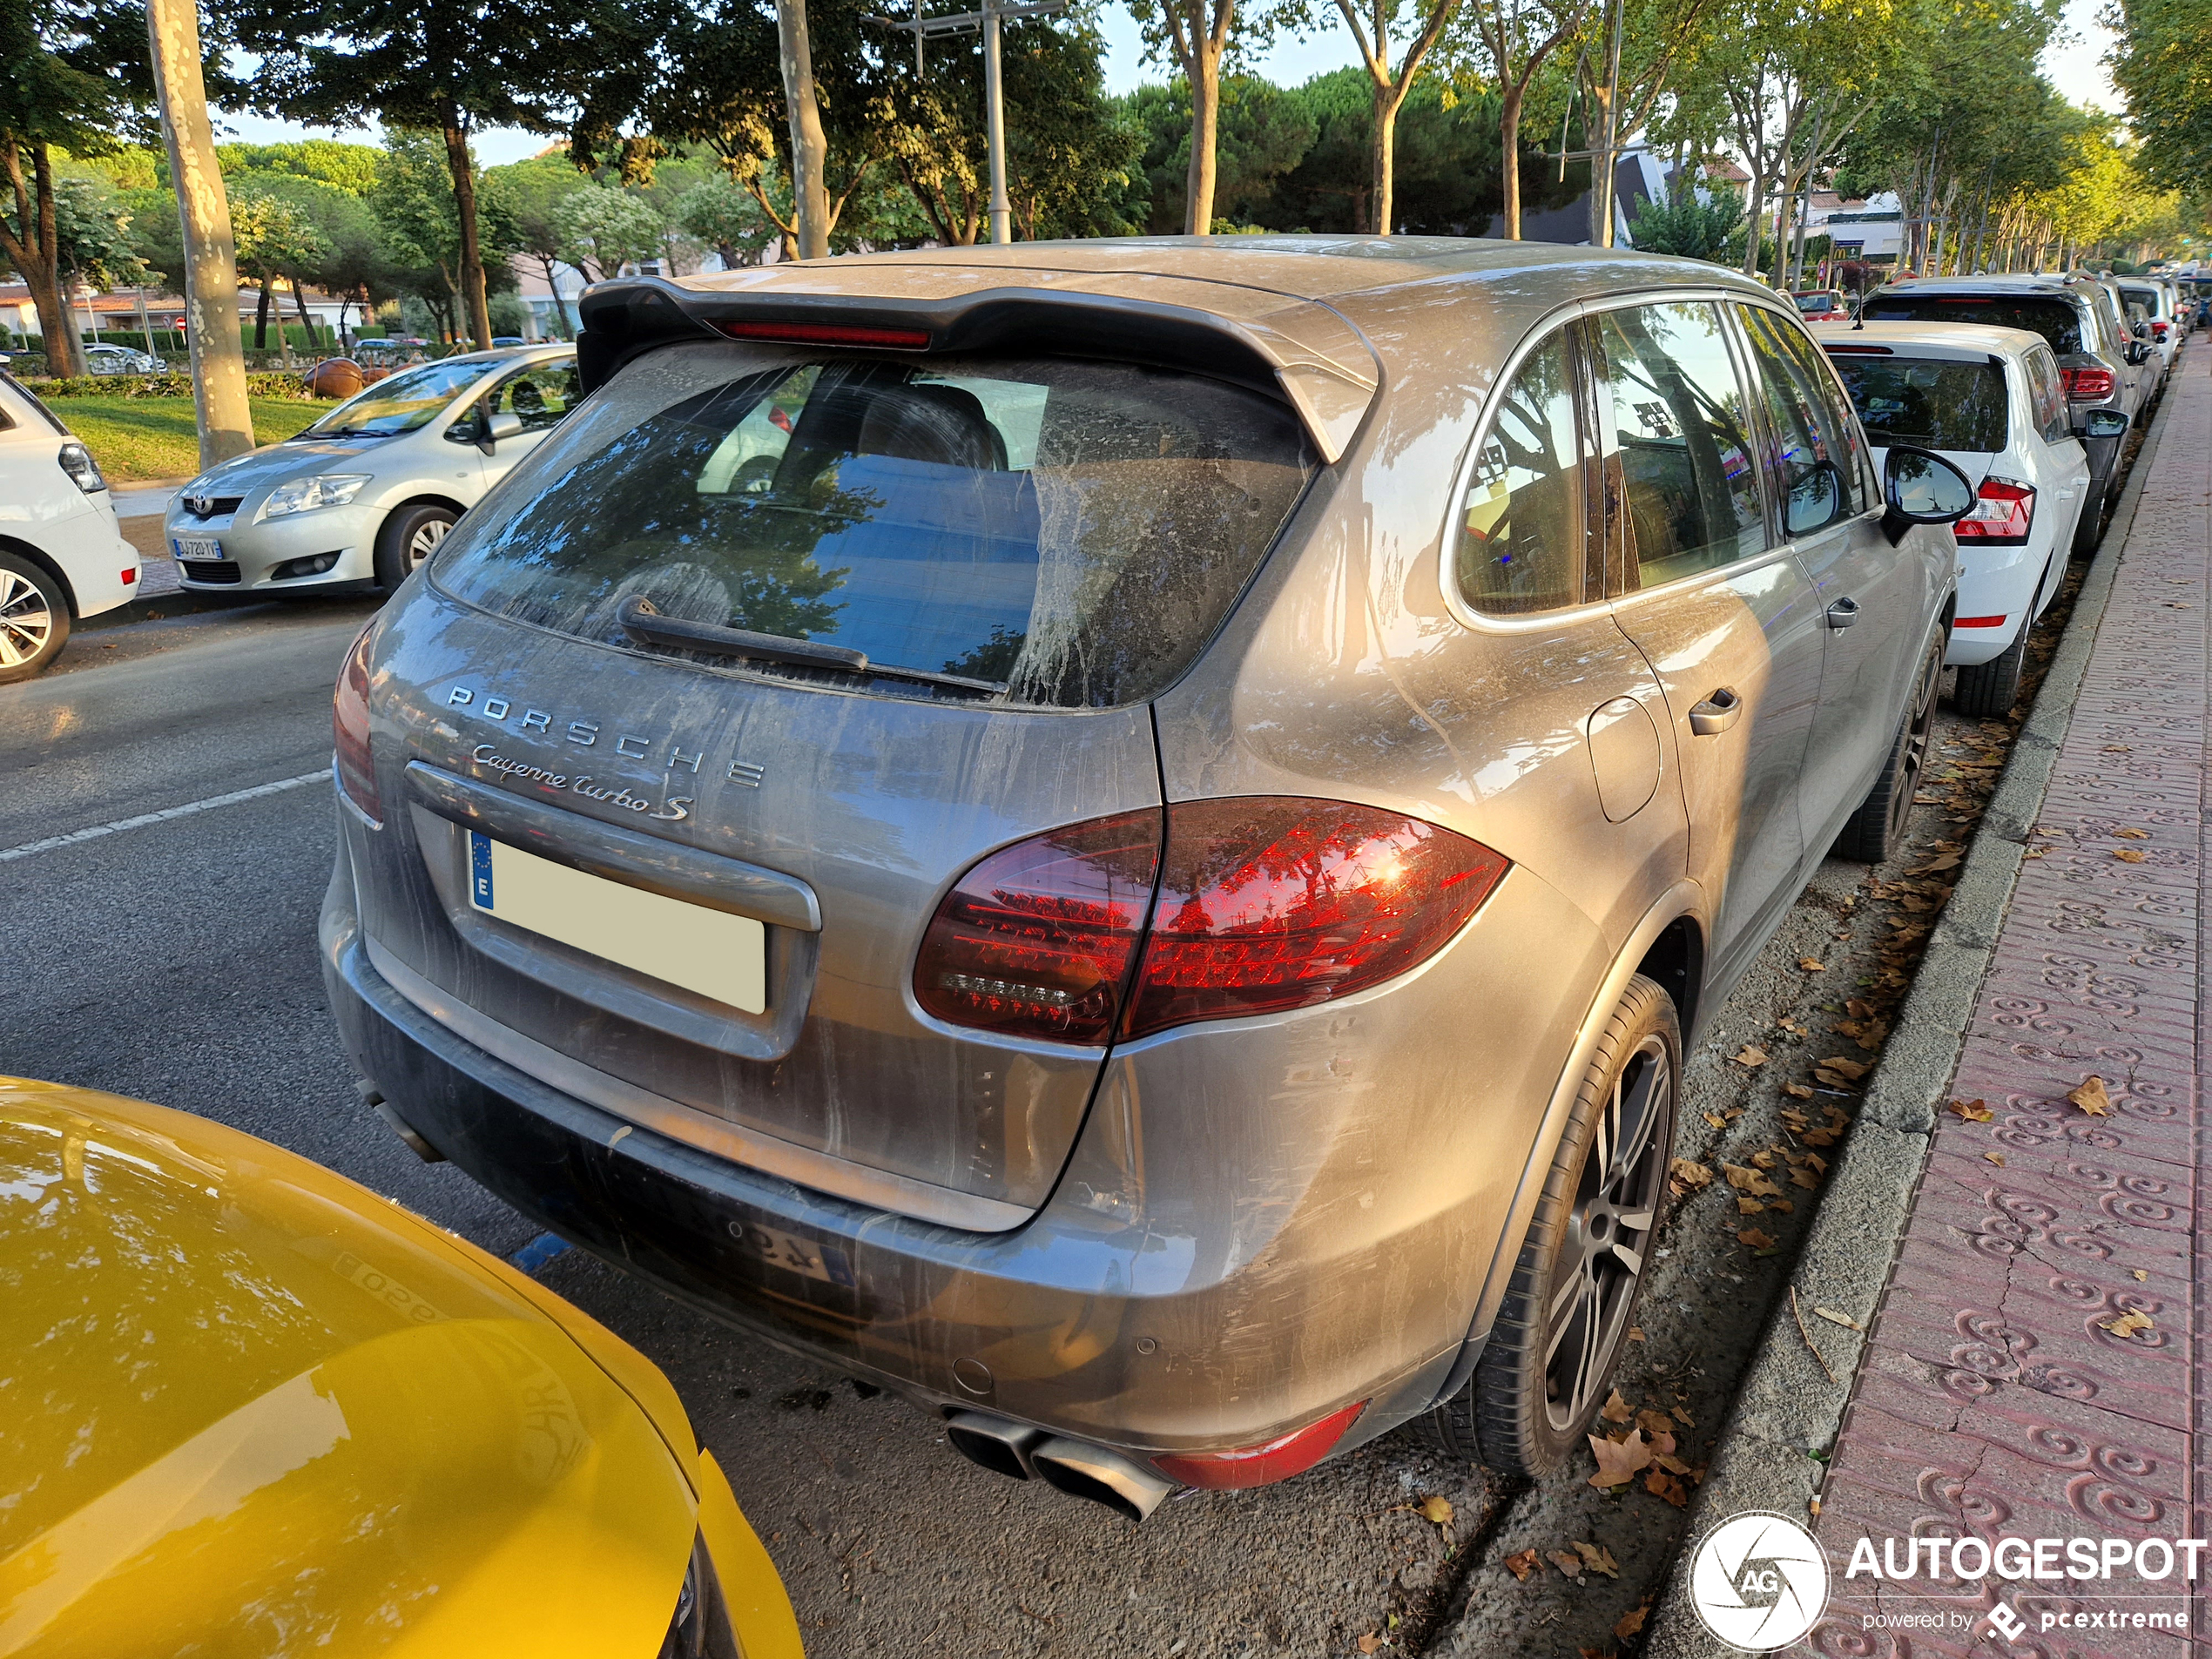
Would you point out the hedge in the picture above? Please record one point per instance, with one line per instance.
(165, 386)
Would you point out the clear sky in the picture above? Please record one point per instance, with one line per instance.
(2072, 61)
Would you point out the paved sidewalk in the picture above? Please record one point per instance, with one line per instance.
(1994, 1398)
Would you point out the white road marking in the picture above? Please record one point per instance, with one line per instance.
(93, 832)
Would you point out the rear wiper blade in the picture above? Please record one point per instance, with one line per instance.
(642, 620)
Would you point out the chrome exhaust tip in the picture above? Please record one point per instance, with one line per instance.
(1092, 1472)
(374, 1099)
(996, 1443)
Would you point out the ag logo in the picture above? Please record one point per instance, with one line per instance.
(1758, 1582)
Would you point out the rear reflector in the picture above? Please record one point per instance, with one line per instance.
(1978, 622)
(830, 334)
(1257, 1466)
(2002, 512)
(2087, 385)
(349, 729)
(1263, 903)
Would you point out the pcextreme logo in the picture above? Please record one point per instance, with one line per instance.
(1758, 1582)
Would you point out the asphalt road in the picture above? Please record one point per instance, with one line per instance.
(174, 960)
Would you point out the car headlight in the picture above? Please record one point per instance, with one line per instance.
(700, 1626)
(305, 494)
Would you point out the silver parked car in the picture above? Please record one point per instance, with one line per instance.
(1124, 837)
(368, 491)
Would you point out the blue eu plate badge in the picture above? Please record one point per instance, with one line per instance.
(480, 869)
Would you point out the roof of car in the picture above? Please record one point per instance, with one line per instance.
(1303, 267)
(1960, 339)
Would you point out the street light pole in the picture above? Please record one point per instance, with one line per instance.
(995, 128)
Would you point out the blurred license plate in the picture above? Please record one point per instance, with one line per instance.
(710, 952)
(823, 1262)
(198, 546)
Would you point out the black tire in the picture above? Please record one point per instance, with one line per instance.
(2089, 529)
(410, 535)
(1875, 831)
(1987, 691)
(34, 618)
(1546, 1371)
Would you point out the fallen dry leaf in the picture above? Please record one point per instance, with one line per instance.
(1755, 1239)
(1764, 1160)
(2128, 1322)
(1617, 1410)
(1784, 1205)
(1974, 1111)
(1805, 1179)
(1631, 1623)
(1749, 1056)
(1812, 964)
(2129, 855)
(1659, 1484)
(1715, 1119)
(1749, 1206)
(1521, 1565)
(1681, 1413)
(1816, 1164)
(1620, 1461)
(1672, 1465)
(1997, 1158)
(1835, 1318)
(2131, 835)
(1567, 1561)
(1598, 1559)
(1438, 1510)
(1851, 1069)
(1801, 1091)
(2140, 1276)
(1369, 1643)
(1654, 1422)
(1750, 1181)
(1691, 1175)
(1636, 1333)
(1820, 1137)
(2091, 1096)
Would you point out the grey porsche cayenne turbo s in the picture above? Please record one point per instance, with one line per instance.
(1125, 838)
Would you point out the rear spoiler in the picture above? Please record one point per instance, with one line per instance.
(1306, 353)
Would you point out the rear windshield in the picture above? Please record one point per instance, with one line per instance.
(1071, 531)
(1934, 402)
(2055, 320)
(1810, 303)
(2147, 298)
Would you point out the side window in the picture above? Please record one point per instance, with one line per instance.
(539, 395)
(1812, 454)
(2047, 392)
(1687, 484)
(1520, 527)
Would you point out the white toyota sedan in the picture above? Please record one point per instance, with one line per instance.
(1992, 402)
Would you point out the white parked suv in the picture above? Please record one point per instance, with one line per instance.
(62, 557)
(368, 491)
(1991, 401)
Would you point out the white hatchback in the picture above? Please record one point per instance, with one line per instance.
(62, 557)
(1992, 402)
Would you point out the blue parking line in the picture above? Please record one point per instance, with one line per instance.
(540, 1251)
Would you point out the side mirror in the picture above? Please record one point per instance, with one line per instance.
(1922, 488)
(1815, 496)
(468, 429)
(2138, 354)
(2102, 423)
(505, 424)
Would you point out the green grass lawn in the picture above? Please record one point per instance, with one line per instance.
(136, 438)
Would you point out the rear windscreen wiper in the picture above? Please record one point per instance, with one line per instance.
(642, 620)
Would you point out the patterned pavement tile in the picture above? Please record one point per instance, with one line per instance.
(1993, 1398)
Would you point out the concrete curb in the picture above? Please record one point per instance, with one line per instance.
(1791, 1403)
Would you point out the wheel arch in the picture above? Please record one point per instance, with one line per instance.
(25, 550)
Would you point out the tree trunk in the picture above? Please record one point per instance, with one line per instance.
(36, 254)
(1509, 141)
(1205, 120)
(261, 316)
(464, 202)
(1755, 221)
(809, 145)
(203, 209)
(307, 317)
(1382, 156)
(561, 306)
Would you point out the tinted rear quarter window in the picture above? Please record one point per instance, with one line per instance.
(2054, 319)
(1073, 531)
(1937, 403)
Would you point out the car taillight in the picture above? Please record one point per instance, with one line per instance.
(1257, 1466)
(1263, 903)
(2087, 385)
(2001, 514)
(1268, 903)
(2158, 329)
(349, 729)
(1037, 940)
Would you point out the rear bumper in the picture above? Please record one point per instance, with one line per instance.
(1090, 1321)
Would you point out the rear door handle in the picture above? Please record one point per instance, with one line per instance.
(1842, 613)
(1716, 713)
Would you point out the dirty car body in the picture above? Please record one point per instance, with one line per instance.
(1290, 689)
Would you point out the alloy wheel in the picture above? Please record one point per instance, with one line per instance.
(424, 542)
(1914, 760)
(26, 620)
(1608, 1234)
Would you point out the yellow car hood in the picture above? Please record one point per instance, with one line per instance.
(252, 1409)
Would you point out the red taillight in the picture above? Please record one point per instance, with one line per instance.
(349, 729)
(1978, 622)
(2158, 329)
(1257, 1466)
(1268, 903)
(2087, 385)
(830, 334)
(1036, 940)
(2000, 515)
(1263, 903)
